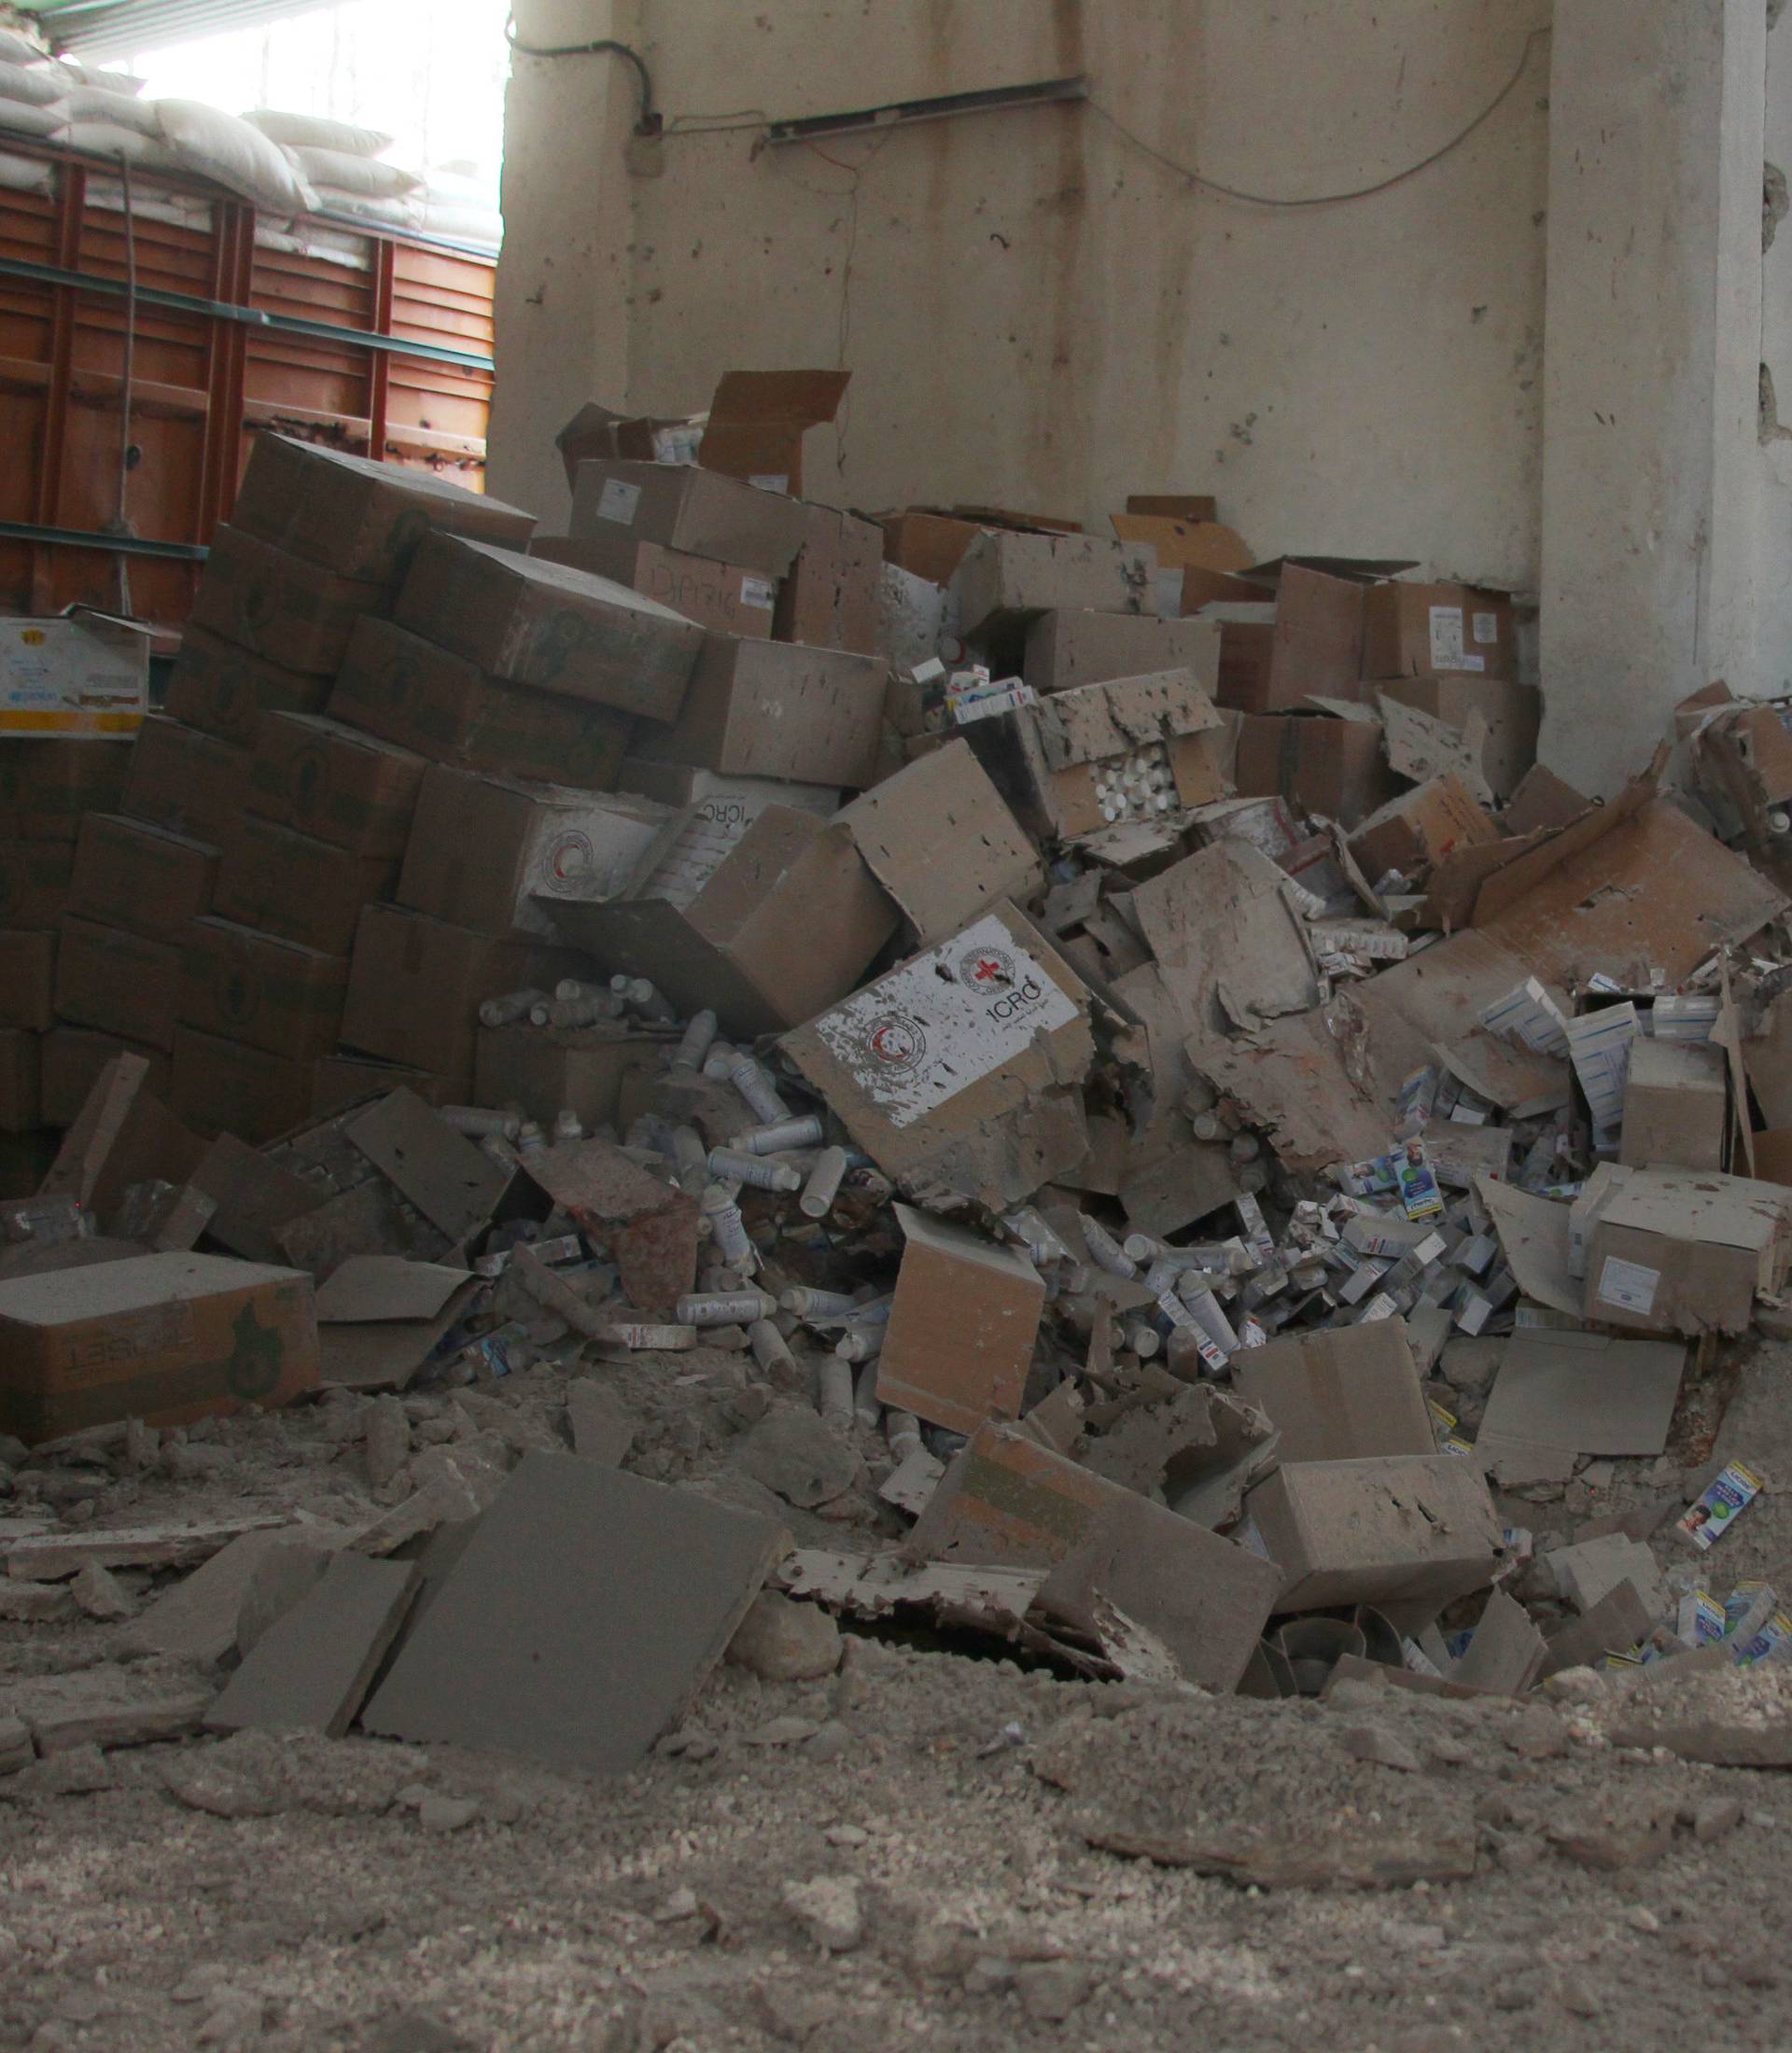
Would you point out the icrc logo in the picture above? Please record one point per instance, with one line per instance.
(897, 1042)
(990, 975)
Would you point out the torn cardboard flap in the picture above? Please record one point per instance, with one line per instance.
(1422, 747)
(378, 1288)
(1586, 1392)
(1340, 1394)
(1229, 944)
(1534, 1237)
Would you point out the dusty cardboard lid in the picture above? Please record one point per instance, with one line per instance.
(788, 399)
(65, 1297)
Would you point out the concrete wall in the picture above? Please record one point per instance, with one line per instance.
(1035, 312)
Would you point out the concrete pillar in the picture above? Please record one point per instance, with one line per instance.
(1652, 469)
(563, 280)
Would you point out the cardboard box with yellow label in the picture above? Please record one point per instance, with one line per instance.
(83, 677)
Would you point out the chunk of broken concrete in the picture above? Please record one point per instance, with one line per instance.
(784, 1642)
(795, 1454)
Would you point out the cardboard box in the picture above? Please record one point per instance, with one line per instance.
(316, 775)
(1397, 1529)
(940, 840)
(23, 1158)
(1344, 1393)
(21, 1104)
(415, 986)
(717, 596)
(1436, 630)
(1513, 713)
(224, 1086)
(1676, 1106)
(225, 689)
(298, 887)
(404, 689)
(960, 1070)
(782, 925)
(243, 985)
(1183, 544)
(776, 709)
(830, 598)
(1008, 579)
(166, 1338)
(753, 428)
(926, 545)
(342, 1079)
(535, 622)
(130, 873)
(190, 782)
(47, 785)
(277, 606)
(1333, 768)
(73, 1058)
(486, 852)
(1066, 649)
(1174, 506)
(963, 1325)
(1312, 644)
(119, 983)
(84, 675)
(1420, 828)
(695, 513)
(731, 802)
(1062, 764)
(549, 1069)
(1005, 1499)
(1676, 1251)
(357, 516)
(27, 980)
(35, 877)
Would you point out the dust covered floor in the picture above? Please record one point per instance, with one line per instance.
(917, 1850)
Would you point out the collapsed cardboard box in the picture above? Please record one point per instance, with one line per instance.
(1006, 581)
(717, 596)
(1065, 649)
(1345, 1394)
(830, 598)
(776, 709)
(127, 873)
(940, 840)
(279, 607)
(47, 786)
(764, 928)
(1134, 750)
(1411, 833)
(185, 779)
(405, 690)
(963, 1325)
(1676, 1106)
(538, 623)
(753, 429)
(1511, 713)
(490, 852)
(1415, 1531)
(166, 1338)
(319, 778)
(1335, 768)
(356, 516)
(695, 513)
(1436, 630)
(1678, 1251)
(957, 1072)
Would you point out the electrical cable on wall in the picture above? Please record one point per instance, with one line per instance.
(648, 122)
(121, 523)
(726, 123)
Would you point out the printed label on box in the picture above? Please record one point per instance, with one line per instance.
(944, 1021)
(1487, 628)
(759, 591)
(618, 501)
(1629, 1286)
(1471, 663)
(1445, 637)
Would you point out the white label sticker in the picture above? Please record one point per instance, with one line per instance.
(942, 1022)
(1629, 1286)
(1447, 637)
(618, 500)
(771, 481)
(1473, 663)
(759, 591)
(1487, 628)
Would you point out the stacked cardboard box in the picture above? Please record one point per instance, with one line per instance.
(46, 789)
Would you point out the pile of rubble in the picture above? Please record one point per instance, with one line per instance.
(740, 1066)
